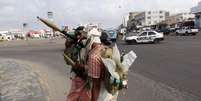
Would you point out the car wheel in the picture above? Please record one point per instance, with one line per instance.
(177, 34)
(186, 34)
(131, 42)
(193, 34)
(134, 42)
(156, 41)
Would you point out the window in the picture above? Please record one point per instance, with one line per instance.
(149, 22)
(151, 33)
(161, 12)
(149, 12)
(149, 17)
(144, 34)
(161, 17)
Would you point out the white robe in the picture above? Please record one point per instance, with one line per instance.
(105, 95)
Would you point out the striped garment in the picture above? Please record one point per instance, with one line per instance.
(95, 64)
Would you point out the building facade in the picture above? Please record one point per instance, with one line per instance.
(197, 11)
(149, 18)
(185, 16)
(132, 22)
(132, 15)
(173, 20)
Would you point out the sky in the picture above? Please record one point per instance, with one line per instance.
(108, 13)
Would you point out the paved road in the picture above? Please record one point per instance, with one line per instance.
(171, 67)
(176, 62)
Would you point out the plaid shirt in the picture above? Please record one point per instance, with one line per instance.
(95, 64)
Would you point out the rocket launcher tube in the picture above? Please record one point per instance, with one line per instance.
(54, 27)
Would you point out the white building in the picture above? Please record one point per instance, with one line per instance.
(149, 18)
(184, 16)
(175, 19)
(197, 11)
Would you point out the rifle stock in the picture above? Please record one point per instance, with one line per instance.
(69, 60)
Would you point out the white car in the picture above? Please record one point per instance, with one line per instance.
(145, 37)
(187, 31)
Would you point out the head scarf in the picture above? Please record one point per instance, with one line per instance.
(94, 36)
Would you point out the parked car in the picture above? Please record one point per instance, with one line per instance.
(145, 37)
(165, 31)
(187, 31)
(173, 30)
(105, 39)
(112, 34)
(1, 36)
(4, 37)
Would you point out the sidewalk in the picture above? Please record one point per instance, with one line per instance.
(19, 83)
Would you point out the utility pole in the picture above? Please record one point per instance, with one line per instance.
(24, 25)
(50, 17)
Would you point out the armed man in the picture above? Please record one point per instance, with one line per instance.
(80, 85)
(90, 72)
(99, 72)
(75, 55)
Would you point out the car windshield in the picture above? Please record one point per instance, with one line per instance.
(151, 33)
(143, 34)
